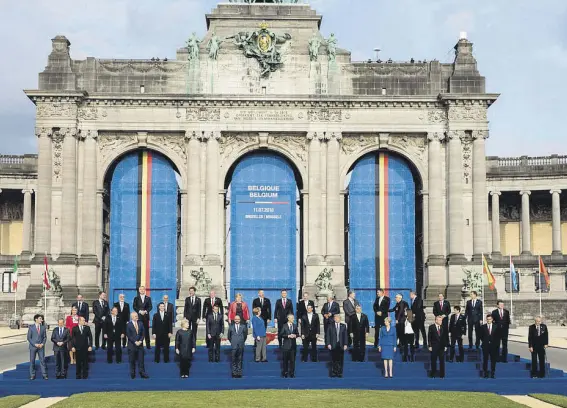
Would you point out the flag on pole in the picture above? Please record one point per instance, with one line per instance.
(15, 275)
(488, 273)
(46, 284)
(543, 271)
(513, 275)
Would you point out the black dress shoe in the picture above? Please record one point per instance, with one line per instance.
(144, 376)
(492, 375)
(32, 377)
(45, 377)
(79, 377)
(132, 376)
(340, 376)
(284, 375)
(486, 375)
(292, 376)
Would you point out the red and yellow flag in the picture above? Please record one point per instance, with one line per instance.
(543, 271)
(486, 270)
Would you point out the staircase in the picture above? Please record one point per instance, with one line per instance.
(512, 378)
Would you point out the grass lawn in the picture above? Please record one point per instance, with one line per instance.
(558, 400)
(14, 401)
(287, 399)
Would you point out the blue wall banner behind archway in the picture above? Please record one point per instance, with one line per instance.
(381, 229)
(143, 227)
(263, 228)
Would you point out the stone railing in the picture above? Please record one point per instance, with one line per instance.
(517, 166)
(10, 164)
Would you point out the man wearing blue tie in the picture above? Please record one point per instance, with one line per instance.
(60, 337)
(237, 334)
(37, 337)
(135, 334)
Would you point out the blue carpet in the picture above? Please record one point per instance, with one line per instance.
(511, 378)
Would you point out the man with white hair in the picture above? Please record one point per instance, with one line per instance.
(135, 333)
(538, 340)
(123, 313)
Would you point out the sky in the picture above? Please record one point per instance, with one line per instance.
(520, 46)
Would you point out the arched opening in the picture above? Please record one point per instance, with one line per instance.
(263, 227)
(383, 227)
(141, 234)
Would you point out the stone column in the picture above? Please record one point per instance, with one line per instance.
(526, 231)
(27, 221)
(69, 192)
(315, 219)
(212, 250)
(480, 196)
(435, 200)
(333, 198)
(455, 199)
(193, 214)
(556, 222)
(90, 195)
(43, 193)
(495, 222)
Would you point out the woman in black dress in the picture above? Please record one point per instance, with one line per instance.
(184, 348)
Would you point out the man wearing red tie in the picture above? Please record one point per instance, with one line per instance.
(443, 308)
(284, 307)
(490, 343)
(501, 318)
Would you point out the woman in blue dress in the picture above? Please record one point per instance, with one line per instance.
(387, 346)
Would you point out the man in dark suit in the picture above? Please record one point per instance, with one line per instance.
(501, 318)
(538, 340)
(400, 314)
(101, 311)
(135, 334)
(143, 306)
(443, 308)
(289, 334)
(192, 312)
(162, 330)
(82, 307)
(329, 310)
(82, 342)
(302, 307)
(208, 304)
(457, 328)
(265, 306)
(359, 330)
(284, 307)
(474, 313)
(381, 307)
(490, 343)
(237, 334)
(349, 308)
(214, 328)
(114, 333)
(124, 315)
(337, 343)
(418, 324)
(436, 339)
(169, 309)
(37, 337)
(60, 337)
(310, 329)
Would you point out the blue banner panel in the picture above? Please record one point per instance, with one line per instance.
(143, 246)
(263, 227)
(362, 233)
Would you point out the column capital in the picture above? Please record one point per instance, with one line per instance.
(210, 135)
(66, 132)
(43, 132)
(495, 193)
(455, 134)
(26, 191)
(523, 192)
(435, 136)
(337, 135)
(555, 191)
(90, 134)
(480, 134)
(191, 134)
(317, 135)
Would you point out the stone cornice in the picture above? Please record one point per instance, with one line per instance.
(51, 96)
(468, 99)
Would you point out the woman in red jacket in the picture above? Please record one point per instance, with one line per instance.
(238, 308)
(70, 322)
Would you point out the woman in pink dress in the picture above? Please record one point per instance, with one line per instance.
(70, 322)
(240, 308)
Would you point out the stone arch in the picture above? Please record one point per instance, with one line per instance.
(230, 162)
(107, 162)
(415, 162)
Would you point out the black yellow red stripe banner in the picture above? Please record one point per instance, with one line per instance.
(144, 218)
(382, 222)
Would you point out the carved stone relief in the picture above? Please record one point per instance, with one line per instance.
(295, 144)
(233, 143)
(56, 109)
(11, 211)
(111, 142)
(413, 144)
(353, 143)
(467, 113)
(171, 142)
(57, 149)
(88, 113)
(466, 146)
(203, 114)
(509, 211)
(325, 115)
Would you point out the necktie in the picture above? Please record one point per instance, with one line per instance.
(37, 327)
(489, 329)
(192, 300)
(236, 328)
(501, 315)
(61, 331)
(214, 317)
(80, 305)
(538, 330)
(338, 331)
(473, 303)
(81, 329)
(438, 331)
(161, 316)
(441, 304)
(113, 320)
(284, 303)
(261, 301)
(136, 326)
(121, 306)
